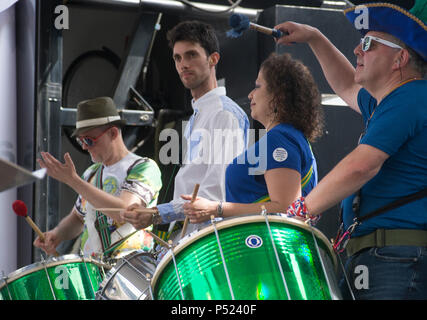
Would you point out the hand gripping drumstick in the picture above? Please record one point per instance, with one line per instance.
(184, 227)
(142, 210)
(20, 209)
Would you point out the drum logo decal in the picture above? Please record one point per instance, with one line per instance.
(253, 241)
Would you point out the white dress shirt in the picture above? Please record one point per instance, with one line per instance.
(216, 133)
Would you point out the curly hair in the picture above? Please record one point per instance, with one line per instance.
(196, 32)
(295, 96)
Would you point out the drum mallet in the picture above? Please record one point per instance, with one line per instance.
(195, 191)
(241, 23)
(21, 210)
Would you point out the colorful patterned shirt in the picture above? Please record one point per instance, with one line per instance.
(140, 176)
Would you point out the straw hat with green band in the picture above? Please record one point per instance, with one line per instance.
(408, 26)
(96, 112)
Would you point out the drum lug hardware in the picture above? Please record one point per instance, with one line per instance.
(276, 254)
(322, 263)
(227, 276)
(176, 269)
(263, 210)
(43, 261)
(4, 278)
(87, 271)
(149, 289)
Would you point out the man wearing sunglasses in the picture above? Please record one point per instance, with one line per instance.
(389, 166)
(117, 179)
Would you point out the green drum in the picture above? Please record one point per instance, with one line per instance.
(249, 258)
(69, 277)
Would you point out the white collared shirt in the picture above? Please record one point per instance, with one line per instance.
(218, 134)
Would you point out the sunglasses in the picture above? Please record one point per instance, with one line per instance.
(89, 141)
(367, 40)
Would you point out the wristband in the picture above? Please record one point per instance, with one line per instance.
(299, 209)
(156, 218)
(219, 209)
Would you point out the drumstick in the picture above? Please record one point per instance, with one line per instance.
(20, 209)
(184, 227)
(158, 239)
(142, 210)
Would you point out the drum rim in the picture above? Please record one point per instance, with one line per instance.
(115, 268)
(119, 265)
(50, 262)
(237, 221)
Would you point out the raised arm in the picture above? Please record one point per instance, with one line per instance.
(66, 173)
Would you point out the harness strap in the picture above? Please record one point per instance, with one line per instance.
(101, 222)
(395, 204)
(343, 238)
(102, 226)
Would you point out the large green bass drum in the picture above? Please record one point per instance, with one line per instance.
(249, 258)
(68, 277)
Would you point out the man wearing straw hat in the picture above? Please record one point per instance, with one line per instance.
(117, 179)
(383, 181)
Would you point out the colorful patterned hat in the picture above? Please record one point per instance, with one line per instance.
(408, 26)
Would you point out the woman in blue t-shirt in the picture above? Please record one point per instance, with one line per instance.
(280, 166)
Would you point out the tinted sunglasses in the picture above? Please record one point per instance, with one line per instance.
(89, 141)
(367, 40)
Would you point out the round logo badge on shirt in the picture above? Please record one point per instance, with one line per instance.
(253, 241)
(280, 154)
(110, 185)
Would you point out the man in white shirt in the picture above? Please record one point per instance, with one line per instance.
(216, 133)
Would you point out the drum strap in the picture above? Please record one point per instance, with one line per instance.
(342, 238)
(393, 205)
(102, 226)
(101, 223)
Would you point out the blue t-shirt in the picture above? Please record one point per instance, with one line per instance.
(281, 147)
(398, 127)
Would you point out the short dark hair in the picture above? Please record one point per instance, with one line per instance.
(196, 32)
(417, 63)
(296, 98)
